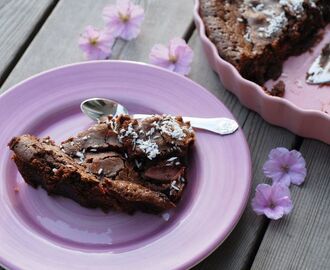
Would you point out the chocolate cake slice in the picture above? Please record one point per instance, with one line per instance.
(151, 152)
(42, 163)
(257, 36)
(120, 163)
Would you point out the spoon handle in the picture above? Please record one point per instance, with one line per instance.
(220, 125)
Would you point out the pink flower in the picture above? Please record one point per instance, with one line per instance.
(285, 166)
(96, 44)
(177, 56)
(124, 19)
(273, 201)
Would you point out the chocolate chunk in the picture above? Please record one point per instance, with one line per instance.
(325, 56)
(164, 173)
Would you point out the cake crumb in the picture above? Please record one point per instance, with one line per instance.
(277, 90)
(327, 84)
(16, 189)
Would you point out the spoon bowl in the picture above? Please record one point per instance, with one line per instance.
(95, 108)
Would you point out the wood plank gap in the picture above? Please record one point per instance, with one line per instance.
(189, 32)
(297, 143)
(118, 49)
(257, 244)
(27, 42)
(246, 118)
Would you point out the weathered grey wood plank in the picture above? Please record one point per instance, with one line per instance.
(57, 42)
(237, 251)
(18, 20)
(302, 239)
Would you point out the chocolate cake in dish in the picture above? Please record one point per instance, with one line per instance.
(120, 163)
(257, 36)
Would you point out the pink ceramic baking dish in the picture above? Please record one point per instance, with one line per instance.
(304, 109)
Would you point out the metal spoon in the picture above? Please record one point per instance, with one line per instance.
(95, 108)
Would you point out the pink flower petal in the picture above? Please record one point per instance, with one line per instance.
(127, 28)
(159, 56)
(96, 55)
(275, 213)
(273, 169)
(278, 152)
(185, 56)
(123, 6)
(285, 166)
(279, 191)
(273, 201)
(182, 69)
(297, 155)
(177, 56)
(285, 179)
(298, 178)
(174, 44)
(130, 31)
(261, 199)
(286, 204)
(96, 44)
(137, 15)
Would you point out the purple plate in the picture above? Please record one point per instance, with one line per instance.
(39, 231)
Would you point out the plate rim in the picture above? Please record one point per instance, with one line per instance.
(262, 100)
(213, 245)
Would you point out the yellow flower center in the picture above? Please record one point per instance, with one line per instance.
(285, 168)
(172, 58)
(272, 205)
(93, 41)
(124, 18)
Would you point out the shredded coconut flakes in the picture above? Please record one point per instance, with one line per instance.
(170, 127)
(149, 147)
(275, 25)
(173, 185)
(295, 6)
(80, 155)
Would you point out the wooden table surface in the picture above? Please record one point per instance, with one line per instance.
(40, 34)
